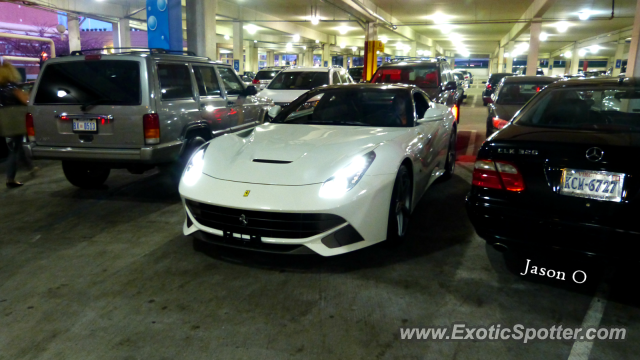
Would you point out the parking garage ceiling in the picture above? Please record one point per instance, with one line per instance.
(478, 26)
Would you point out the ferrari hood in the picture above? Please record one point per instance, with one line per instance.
(290, 154)
(282, 96)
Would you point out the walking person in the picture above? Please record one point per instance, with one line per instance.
(12, 96)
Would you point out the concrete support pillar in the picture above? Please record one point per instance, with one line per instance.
(618, 57)
(270, 60)
(414, 49)
(534, 46)
(550, 67)
(74, 32)
(345, 60)
(124, 33)
(326, 55)
(252, 56)
(509, 59)
(500, 60)
(370, 53)
(238, 51)
(308, 57)
(575, 59)
(350, 61)
(201, 33)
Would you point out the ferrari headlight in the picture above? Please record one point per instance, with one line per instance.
(193, 171)
(347, 177)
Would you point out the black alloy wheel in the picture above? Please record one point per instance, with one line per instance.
(400, 208)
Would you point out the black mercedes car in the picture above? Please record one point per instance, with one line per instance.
(492, 83)
(564, 172)
(510, 95)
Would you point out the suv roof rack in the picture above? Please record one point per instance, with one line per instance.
(135, 50)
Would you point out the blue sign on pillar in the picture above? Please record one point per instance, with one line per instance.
(618, 63)
(326, 64)
(164, 24)
(236, 65)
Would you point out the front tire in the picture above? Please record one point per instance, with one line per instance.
(400, 207)
(85, 175)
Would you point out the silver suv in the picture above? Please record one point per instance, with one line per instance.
(264, 76)
(133, 111)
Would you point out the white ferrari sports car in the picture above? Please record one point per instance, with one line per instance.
(341, 168)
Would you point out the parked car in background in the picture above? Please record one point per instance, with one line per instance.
(522, 71)
(467, 75)
(250, 74)
(492, 83)
(361, 156)
(264, 76)
(289, 84)
(461, 80)
(356, 73)
(97, 112)
(434, 77)
(562, 175)
(510, 95)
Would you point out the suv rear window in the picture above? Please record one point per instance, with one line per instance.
(421, 76)
(494, 79)
(104, 82)
(266, 75)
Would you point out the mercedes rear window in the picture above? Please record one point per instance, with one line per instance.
(519, 93)
(95, 82)
(421, 76)
(602, 109)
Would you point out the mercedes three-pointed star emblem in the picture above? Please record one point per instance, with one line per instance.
(595, 154)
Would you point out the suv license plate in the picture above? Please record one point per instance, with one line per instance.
(85, 125)
(599, 185)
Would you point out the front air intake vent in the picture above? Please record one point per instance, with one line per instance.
(267, 161)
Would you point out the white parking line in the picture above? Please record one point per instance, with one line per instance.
(582, 349)
(472, 143)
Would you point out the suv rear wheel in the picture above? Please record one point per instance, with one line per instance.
(85, 175)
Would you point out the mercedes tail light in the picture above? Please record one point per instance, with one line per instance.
(151, 125)
(499, 123)
(31, 130)
(488, 86)
(498, 174)
(255, 81)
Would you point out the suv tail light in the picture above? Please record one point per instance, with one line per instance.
(151, 124)
(31, 131)
(499, 123)
(456, 112)
(501, 175)
(255, 81)
(488, 86)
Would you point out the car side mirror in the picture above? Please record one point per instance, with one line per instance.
(274, 111)
(451, 85)
(249, 91)
(484, 82)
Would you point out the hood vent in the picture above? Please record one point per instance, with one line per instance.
(272, 161)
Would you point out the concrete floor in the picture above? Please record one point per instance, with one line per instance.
(107, 274)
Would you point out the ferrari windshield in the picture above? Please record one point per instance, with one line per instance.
(606, 109)
(353, 106)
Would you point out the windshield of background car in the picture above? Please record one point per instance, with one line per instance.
(603, 109)
(495, 79)
(105, 82)
(421, 76)
(518, 93)
(458, 76)
(266, 75)
(356, 73)
(299, 80)
(354, 106)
